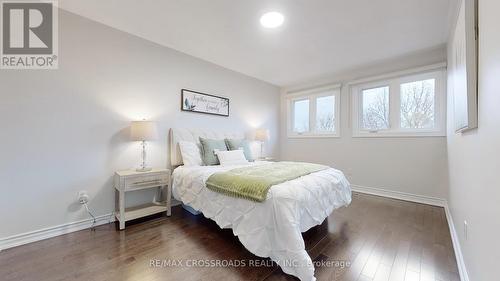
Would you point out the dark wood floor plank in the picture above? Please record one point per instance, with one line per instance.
(375, 258)
(383, 273)
(398, 270)
(375, 238)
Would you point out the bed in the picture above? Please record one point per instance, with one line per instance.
(272, 228)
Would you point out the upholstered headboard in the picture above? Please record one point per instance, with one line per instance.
(193, 135)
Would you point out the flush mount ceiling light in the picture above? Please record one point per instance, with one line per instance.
(272, 19)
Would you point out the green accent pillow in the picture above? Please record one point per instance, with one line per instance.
(235, 144)
(208, 148)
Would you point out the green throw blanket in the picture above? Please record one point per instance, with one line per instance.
(253, 182)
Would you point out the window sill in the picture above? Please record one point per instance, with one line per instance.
(399, 134)
(312, 136)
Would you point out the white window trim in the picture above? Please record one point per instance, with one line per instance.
(438, 73)
(311, 95)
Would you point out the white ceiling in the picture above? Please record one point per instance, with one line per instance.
(318, 37)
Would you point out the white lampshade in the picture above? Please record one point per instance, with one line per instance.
(262, 135)
(143, 131)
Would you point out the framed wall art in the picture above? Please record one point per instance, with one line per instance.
(204, 103)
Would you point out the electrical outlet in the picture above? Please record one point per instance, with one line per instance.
(83, 197)
(466, 234)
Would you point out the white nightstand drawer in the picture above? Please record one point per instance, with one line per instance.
(131, 183)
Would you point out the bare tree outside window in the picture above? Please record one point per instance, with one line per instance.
(326, 123)
(417, 104)
(325, 114)
(376, 108)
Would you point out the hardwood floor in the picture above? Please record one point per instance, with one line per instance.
(375, 238)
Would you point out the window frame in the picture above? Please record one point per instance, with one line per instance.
(394, 83)
(312, 95)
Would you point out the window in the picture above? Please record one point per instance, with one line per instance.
(417, 104)
(301, 116)
(408, 105)
(376, 108)
(325, 114)
(314, 113)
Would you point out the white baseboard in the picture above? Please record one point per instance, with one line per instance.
(462, 270)
(41, 234)
(49, 232)
(429, 201)
(434, 201)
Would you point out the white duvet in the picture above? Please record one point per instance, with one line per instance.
(272, 228)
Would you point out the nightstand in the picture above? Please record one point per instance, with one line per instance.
(132, 180)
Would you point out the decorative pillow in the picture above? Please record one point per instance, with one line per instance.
(232, 157)
(190, 152)
(208, 148)
(234, 144)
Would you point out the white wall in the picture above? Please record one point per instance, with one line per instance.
(474, 159)
(66, 130)
(411, 165)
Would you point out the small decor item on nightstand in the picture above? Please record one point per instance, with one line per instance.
(262, 135)
(143, 131)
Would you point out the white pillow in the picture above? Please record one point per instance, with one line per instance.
(190, 152)
(231, 157)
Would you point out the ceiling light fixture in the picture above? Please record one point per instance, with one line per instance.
(272, 19)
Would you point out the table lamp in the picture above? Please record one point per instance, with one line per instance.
(262, 135)
(143, 131)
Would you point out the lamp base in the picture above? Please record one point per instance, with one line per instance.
(143, 169)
